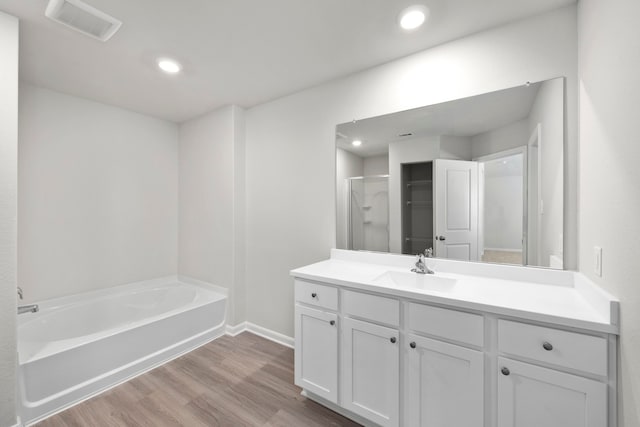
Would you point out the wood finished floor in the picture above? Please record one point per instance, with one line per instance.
(233, 381)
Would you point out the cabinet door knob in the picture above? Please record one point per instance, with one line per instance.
(547, 346)
(393, 340)
(333, 322)
(505, 371)
(313, 295)
(412, 345)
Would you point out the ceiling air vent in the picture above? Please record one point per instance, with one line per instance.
(83, 18)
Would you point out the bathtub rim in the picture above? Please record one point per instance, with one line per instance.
(57, 302)
(49, 306)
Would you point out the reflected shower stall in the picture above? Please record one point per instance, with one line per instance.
(368, 213)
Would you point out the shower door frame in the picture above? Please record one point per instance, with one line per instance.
(349, 208)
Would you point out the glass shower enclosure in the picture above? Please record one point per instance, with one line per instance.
(368, 213)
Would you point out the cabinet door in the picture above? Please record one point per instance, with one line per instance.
(445, 386)
(316, 352)
(531, 396)
(371, 371)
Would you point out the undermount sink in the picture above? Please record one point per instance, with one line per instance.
(415, 281)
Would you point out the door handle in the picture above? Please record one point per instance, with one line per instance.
(441, 238)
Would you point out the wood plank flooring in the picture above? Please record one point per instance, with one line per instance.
(233, 381)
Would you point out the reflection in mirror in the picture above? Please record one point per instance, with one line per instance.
(478, 178)
(368, 213)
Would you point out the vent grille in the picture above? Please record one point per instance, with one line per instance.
(83, 18)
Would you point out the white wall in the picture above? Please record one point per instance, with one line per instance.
(211, 242)
(98, 201)
(8, 214)
(291, 141)
(347, 165)
(548, 110)
(609, 46)
(507, 137)
(455, 147)
(239, 293)
(376, 165)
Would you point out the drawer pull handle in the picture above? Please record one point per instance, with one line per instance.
(505, 371)
(333, 322)
(547, 346)
(393, 340)
(313, 295)
(412, 345)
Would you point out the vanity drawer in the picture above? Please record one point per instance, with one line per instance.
(315, 294)
(371, 307)
(449, 324)
(569, 349)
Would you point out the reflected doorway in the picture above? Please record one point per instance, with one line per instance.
(502, 236)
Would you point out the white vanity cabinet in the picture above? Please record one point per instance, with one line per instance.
(530, 395)
(316, 339)
(370, 374)
(444, 381)
(371, 371)
(483, 351)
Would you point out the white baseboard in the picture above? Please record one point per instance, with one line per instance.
(237, 329)
(260, 331)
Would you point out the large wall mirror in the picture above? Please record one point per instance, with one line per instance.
(478, 178)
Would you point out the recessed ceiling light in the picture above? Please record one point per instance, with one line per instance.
(413, 17)
(356, 143)
(169, 65)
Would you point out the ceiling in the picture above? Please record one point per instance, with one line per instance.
(242, 52)
(462, 117)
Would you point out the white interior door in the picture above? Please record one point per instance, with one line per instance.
(456, 209)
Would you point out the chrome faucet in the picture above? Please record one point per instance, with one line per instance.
(421, 266)
(31, 308)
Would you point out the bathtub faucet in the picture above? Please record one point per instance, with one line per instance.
(31, 308)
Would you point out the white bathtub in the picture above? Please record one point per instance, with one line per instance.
(77, 346)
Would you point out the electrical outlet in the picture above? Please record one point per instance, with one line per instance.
(597, 259)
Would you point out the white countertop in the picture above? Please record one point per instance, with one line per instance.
(560, 297)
